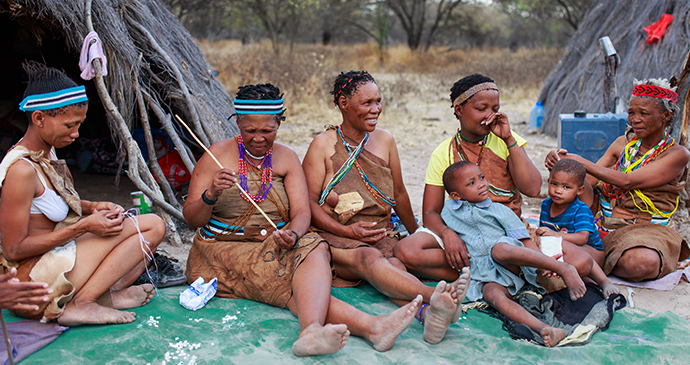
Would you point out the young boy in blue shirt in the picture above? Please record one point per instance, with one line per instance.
(564, 215)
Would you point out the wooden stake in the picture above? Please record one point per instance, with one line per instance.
(8, 344)
(221, 166)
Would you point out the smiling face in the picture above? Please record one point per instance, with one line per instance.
(563, 188)
(258, 132)
(647, 118)
(361, 111)
(470, 185)
(61, 129)
(475, 110)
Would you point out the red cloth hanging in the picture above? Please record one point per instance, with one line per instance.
(658, 29)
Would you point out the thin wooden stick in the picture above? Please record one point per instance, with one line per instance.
(221, 166)
(8, 344)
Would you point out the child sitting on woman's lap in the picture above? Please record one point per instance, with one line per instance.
(500, 249)
(564, 215)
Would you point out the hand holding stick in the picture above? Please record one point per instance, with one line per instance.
(221, 166)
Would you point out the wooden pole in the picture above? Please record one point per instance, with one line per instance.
(221, 166)
(8, 344)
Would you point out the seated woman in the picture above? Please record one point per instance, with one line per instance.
(89, 262)
(637, 184)
(354, 179)
(485, 139)
(288, 267)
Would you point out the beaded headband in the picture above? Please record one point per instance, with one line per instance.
(243, 106)
(655, 92)
(54, 100)
(337, 95)
(473, 90)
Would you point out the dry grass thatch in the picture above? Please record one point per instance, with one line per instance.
(577, 81)
(154, 68)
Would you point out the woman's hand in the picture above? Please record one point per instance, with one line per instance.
(99, 206)
(17, 295)
(499, 125)
(362, 231)
(553, 156)
(222, 179)
(285, 239)
(105, 223)
(455, 249)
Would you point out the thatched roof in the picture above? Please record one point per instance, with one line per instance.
(154, 70)
(576, 83)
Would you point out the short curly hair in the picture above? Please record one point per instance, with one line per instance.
(347, 83)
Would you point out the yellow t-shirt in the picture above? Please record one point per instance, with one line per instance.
(441, 158)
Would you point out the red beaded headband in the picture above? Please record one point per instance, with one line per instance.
(337, 95)
(655, 92)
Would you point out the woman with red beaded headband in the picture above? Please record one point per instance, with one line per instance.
(288, 267)
(637, 185)
(355, 181)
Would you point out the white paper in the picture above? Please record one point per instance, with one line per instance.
(551, 246)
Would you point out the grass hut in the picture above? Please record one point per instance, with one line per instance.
(577, 82)
(154, 72)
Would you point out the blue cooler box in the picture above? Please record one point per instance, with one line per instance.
(591, 134)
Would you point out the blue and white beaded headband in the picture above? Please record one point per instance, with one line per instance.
(54, 100)
(243, 106)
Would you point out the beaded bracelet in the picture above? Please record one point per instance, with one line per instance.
(514, 143)
(207, 200)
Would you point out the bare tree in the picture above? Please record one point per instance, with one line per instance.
(279, 16)
(413, 17)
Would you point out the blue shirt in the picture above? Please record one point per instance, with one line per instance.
(575, 218)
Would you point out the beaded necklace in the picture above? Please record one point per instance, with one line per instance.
(481, 141)
(625, 161)
(266, 164)
(378, 194)
(352, 161)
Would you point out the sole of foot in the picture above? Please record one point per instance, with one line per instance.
(387, 328)
(321, 340)
(442, 307)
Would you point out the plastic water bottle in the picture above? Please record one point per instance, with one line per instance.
(536, 115)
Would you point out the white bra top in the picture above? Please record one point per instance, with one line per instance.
(50, 204)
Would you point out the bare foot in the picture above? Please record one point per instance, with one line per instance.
(608, 288)
(442, 307)
(576, 287)
(386, 329)
(321, 340)
(461, 285)
(552, 336)
(132, 297)
(76, 314)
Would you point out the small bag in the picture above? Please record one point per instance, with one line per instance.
(198, 294)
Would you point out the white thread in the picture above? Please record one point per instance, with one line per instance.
(145, 248)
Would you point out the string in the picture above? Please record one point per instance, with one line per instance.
(145, 245)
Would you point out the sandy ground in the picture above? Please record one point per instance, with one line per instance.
(418, 126)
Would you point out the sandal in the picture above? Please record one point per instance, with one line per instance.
(168, 273)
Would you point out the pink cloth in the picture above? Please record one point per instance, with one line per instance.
(89, 52)
(668, 282)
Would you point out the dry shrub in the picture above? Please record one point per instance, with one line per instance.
(308, 71)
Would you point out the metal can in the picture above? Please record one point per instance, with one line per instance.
(142, 203)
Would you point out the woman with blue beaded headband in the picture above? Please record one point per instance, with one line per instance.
(86, 251)
(287, 267)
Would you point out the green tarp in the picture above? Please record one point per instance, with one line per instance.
(230, 331)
